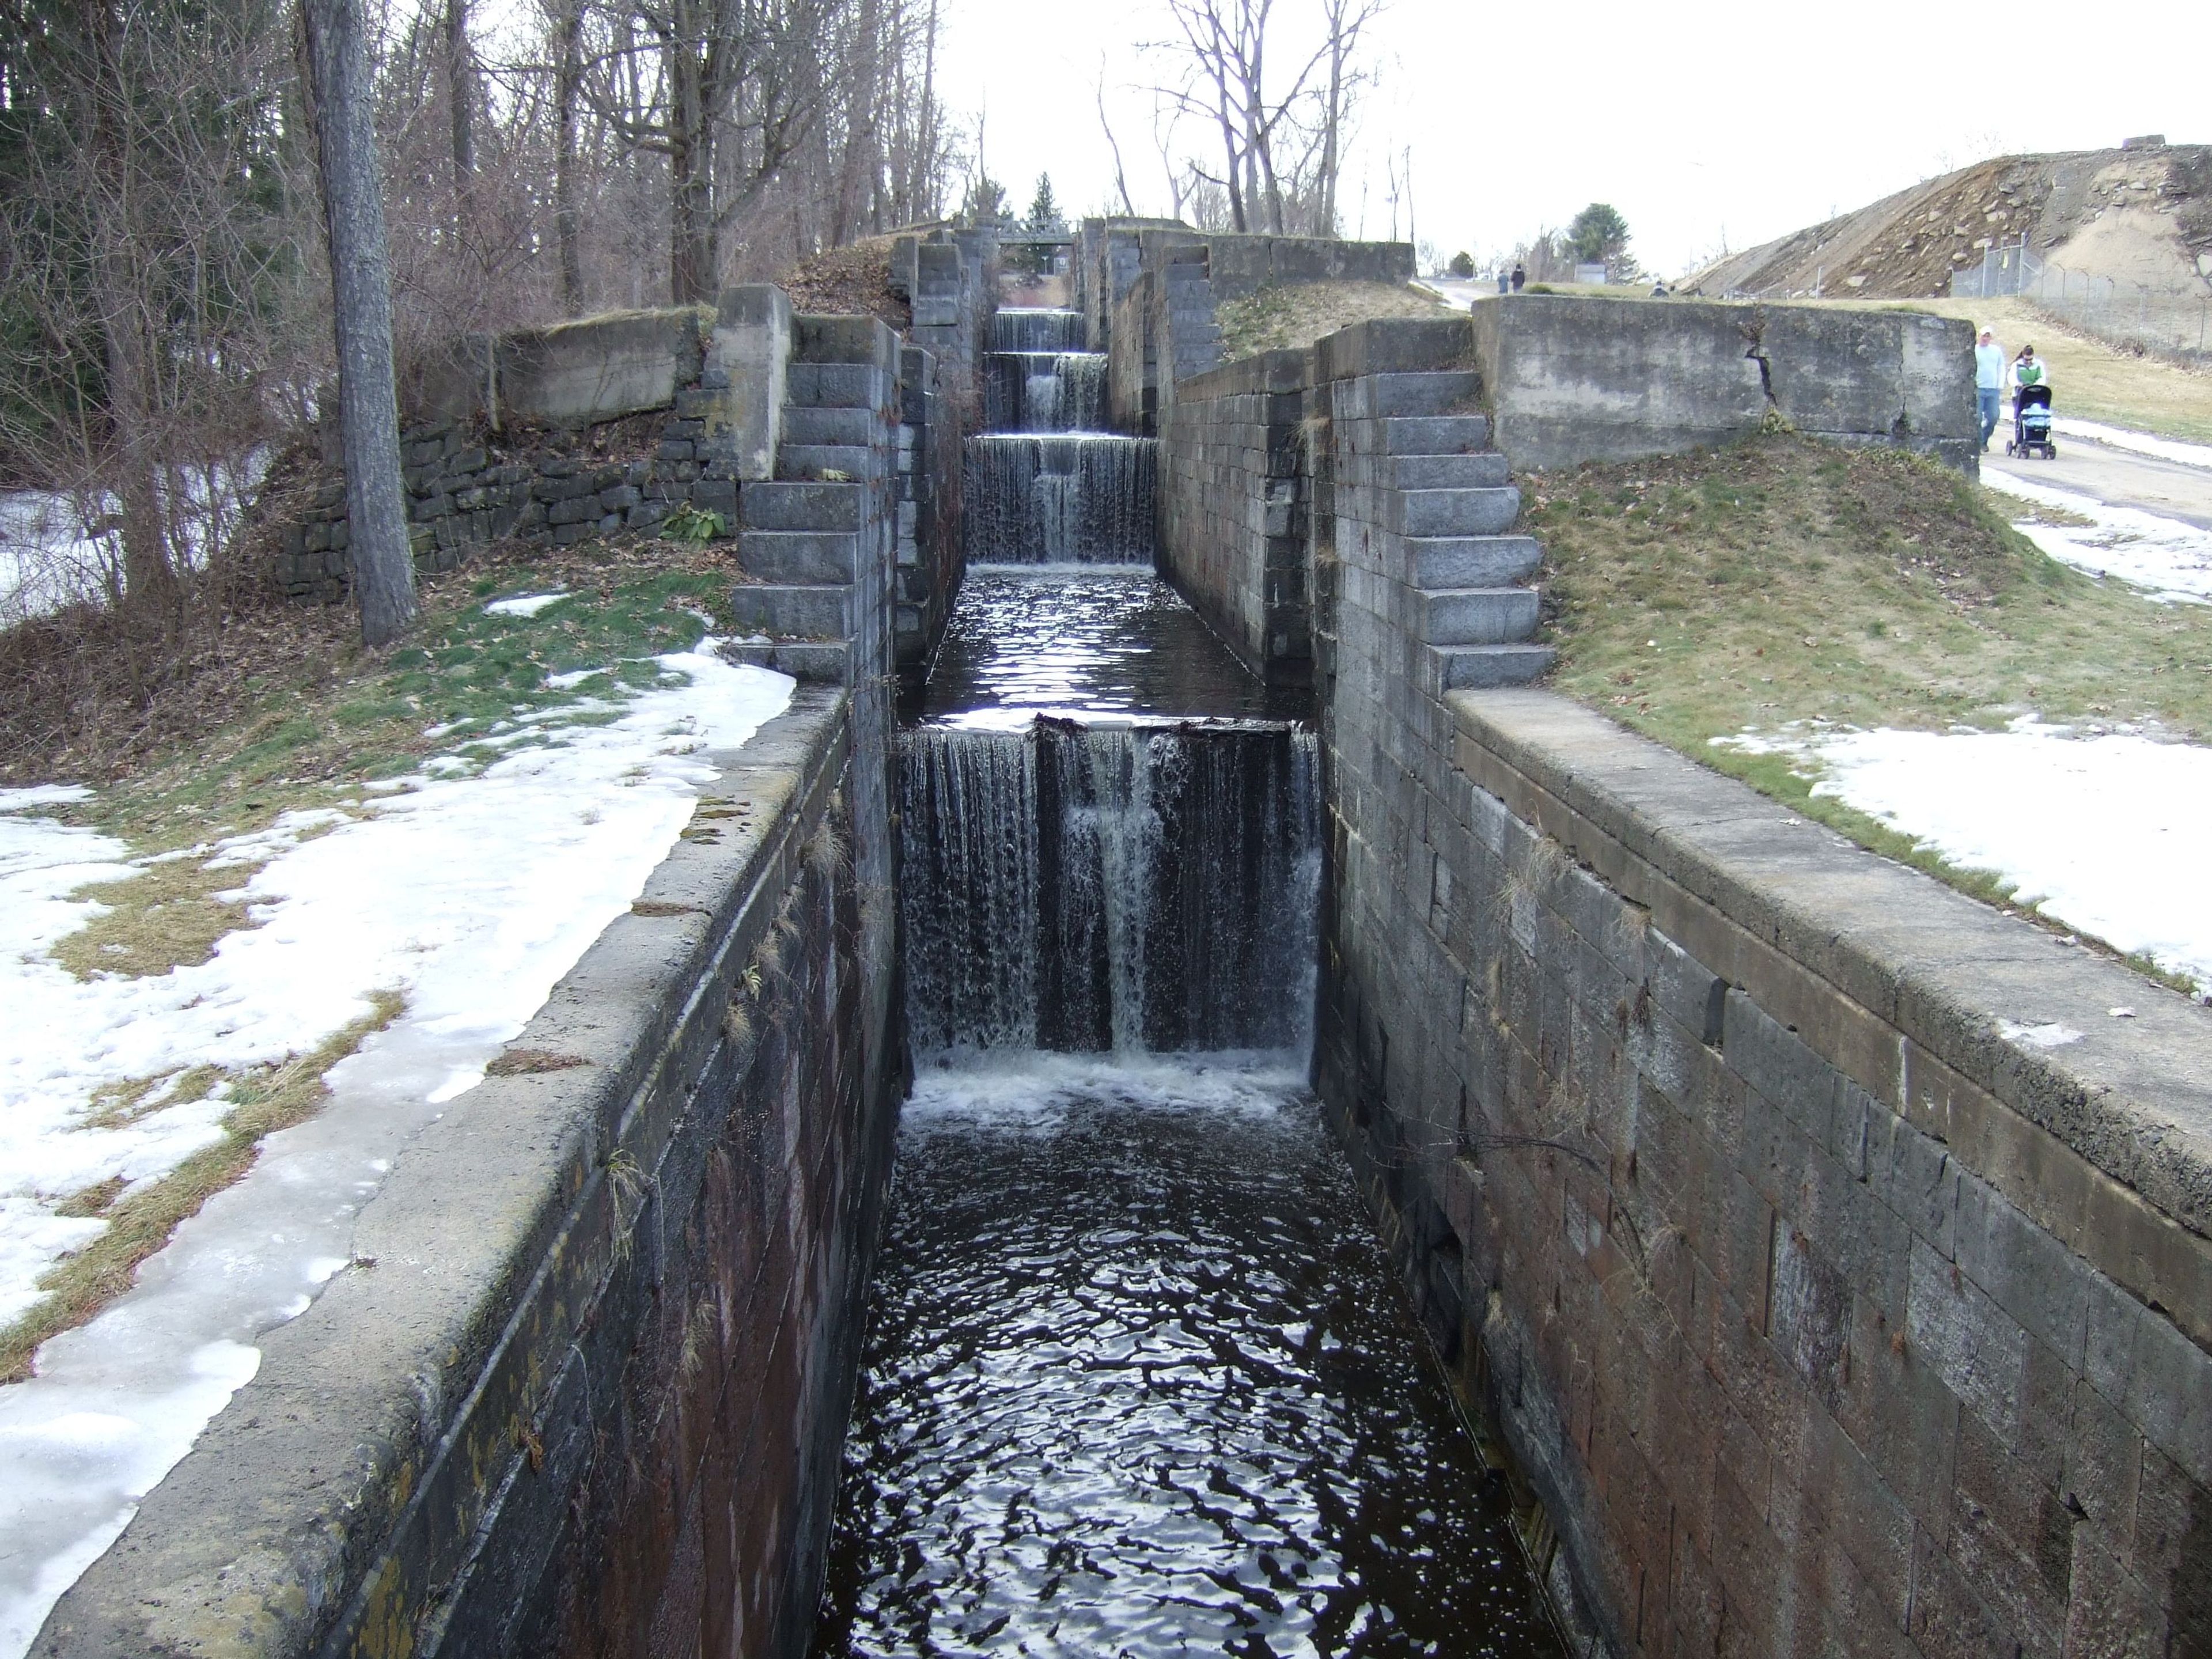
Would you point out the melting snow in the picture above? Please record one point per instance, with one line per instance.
(2169, 558)
(524, 605)
(2105, 833)
(469, 895)
(2142, 443)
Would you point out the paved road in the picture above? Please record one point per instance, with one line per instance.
(2119, 478)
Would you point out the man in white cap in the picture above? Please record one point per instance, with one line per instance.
(1989, 381)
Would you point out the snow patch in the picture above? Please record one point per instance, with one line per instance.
(2141, 443)
(524, 605)
(472, 896)
(2103, 832)
(2171, 560)
(2051, 1035)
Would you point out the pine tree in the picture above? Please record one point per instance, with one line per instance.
(1044, 212)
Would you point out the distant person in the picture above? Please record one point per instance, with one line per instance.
(1989, 381)
(1520, 278)
(1503, 281)
(1660, 291)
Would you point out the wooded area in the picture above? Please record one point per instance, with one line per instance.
(166, 310)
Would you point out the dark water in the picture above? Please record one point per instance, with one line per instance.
(1102, 642)
(1138, 1382)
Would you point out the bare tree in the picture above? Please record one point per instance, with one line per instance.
(360, 317)
(1280, 145)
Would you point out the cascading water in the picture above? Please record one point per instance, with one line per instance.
(1137, 1381)
(1127, 889)
(1046, 483)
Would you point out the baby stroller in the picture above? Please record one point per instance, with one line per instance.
(2030, 423)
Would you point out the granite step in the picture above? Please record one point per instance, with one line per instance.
(1471, 561)
(792, 610)
(1478, 667)
(806, 558)
(1434, 434)
(805, 425)
(1486, 469)
(1477, 616)
(1454, 511)
(1434, 393)
(792, 506)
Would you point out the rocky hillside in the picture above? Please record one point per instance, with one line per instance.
(2139, 216)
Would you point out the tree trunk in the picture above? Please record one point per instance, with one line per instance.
(460, 91)
(150, 579)
(567, 90)
(361, 318)
(691, 177)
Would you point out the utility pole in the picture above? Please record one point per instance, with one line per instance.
(361, 318)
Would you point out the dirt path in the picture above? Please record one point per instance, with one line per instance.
(2118, 477)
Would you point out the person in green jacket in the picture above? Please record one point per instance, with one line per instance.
(2029, 369)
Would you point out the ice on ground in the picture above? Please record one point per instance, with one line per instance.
(2104, 833)
(470, 895)
(2142, 443)
(2169, 559)
(524, 605)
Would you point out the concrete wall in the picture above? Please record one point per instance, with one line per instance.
(1233, 513)
(574, 374)
(1830, 1261)
(584, 1389)
(1574, 378)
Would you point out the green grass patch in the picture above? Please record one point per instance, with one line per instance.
(1782, 581)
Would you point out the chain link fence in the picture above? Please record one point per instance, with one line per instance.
(2173, 321)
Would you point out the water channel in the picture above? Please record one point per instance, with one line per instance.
(1138, 1379)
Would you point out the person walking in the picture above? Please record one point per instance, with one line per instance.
(1520, 277)
(2029, 369)
(1989, 381)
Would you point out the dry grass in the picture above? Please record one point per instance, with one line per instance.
(2096, 381)
(266, 1099)
(1782, 581)
(1300, 314)
(170, 914)
(854, 281)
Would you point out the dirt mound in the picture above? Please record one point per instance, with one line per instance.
(2135, 216)
(854, 281)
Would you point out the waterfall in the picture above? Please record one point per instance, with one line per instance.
(1024, 328)
(1046, 483)
(1045, 391)
(1078, 499)
(1122, 889)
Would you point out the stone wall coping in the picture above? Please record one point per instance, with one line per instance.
(338, 1496)
(1973, 1023)
(1285, 368)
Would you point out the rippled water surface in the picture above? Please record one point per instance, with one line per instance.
(1102, 640)
(1138, 1381)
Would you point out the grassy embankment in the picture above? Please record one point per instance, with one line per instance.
(306, 725)
(1782, 581)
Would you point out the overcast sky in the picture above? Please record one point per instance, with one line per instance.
(1721, 120)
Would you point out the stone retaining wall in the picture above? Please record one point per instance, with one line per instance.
(1830, 1257)
(583, 1387)
(1233, 511)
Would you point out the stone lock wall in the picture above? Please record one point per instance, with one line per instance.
(1830, 1260)
(1233, 510)
(585, 1389)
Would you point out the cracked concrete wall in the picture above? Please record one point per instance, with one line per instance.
(1573, 378)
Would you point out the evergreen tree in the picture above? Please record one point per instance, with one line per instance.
(1598, 234)
(1044, 218)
